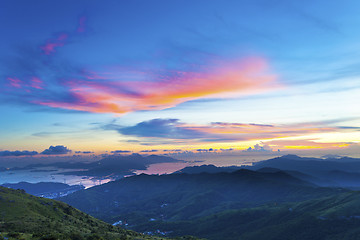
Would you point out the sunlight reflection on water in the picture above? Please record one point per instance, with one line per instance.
(49, 174)
(163, 168)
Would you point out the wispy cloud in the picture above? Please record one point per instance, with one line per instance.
(84, 152)
(118, 92)
(15, 82)
(17, 153)
(38, 79)
(121, 151)
(37, 83)
(53, 43)
(82, 24)
(305, 144)
(149, 151)
(174, 131)
(34, 72)
(314, 19)
(60, 39)
(242, 131)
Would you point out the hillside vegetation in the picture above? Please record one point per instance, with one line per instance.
(174, 197)
(330, 218)
(23, 216)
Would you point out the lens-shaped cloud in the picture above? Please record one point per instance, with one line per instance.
(39, 76)
(175, 131)
(156, 91)
(17, 153)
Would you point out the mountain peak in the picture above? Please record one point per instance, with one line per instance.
(291, 156)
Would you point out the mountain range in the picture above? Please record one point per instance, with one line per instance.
(110, 165)
(139, 199)
(329, 218)
(329, 172)
(282, 198)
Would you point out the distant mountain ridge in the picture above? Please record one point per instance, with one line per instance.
(184, 196)
(209, 168)
(276, 199)
(329, 172)
(340, 172)
(117, 165)
(305, 164)
(330, 218)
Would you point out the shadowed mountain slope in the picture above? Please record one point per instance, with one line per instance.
(24, 216)
(330, 218)
(172, 197)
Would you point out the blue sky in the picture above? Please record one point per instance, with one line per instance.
(162, 75)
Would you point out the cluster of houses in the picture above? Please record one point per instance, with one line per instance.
(120, 223)
(61, 193)
(158, 232)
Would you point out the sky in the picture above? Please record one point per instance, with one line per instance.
(179, 77)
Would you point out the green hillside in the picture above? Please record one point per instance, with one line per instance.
(175, 197)
(330, 218)
(23, 216)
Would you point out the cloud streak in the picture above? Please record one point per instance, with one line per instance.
(56, 84)
(15, 82)
(128, 91)
(305, 144)
(63, 38)
(176, 132)
(121, 151)
(84, 152)
(53, 43)
(82, 24)
(17, 153)
(40, 78)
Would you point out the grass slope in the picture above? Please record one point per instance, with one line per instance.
(23, 216)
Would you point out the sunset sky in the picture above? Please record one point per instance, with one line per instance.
(156, 76)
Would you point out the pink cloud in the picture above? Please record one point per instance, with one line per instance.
(33, 82)
(51, 44)
(156, 91)
(241, 131)
(81, 27)
(36, 83)
(15, 82)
